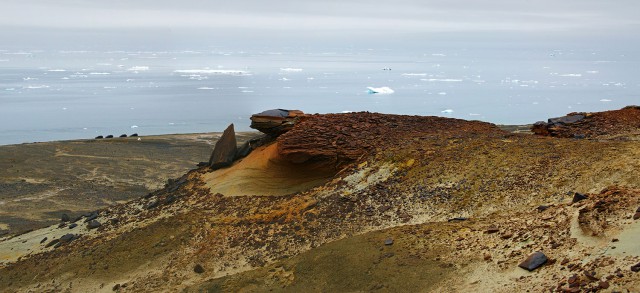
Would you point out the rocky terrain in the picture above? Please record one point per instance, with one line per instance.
(39, 182)
(366, 202)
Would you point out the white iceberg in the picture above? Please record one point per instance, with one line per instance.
(380, 90)
(605, 100)
(138, 68)
(447, 111)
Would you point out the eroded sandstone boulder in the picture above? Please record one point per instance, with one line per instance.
(276, 121)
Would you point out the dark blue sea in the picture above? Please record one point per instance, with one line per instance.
(57, 95)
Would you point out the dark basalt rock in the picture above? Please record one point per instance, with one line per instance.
(91, 216)
(93, 224)
(578, 197)
(388, 241)
(73, 226)
(67, 238)
(134, 135)
(109, 136)
(224, 153)
(198, 269)
(52, 242)
(534, 261)
(65, 218)
(123, 135)
(99, 137)
(457, 219)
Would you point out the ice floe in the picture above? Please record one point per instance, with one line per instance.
(571, 75)
(605, 100)
(447, 111)
(57, 70)
(206, 88)
(414, 74)
(441, 79)
(289, 69)
(380, 90)
(212, 71)
(36, 86)
(138, 68)
(99, 73)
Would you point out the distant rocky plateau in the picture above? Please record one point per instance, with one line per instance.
(355, 202)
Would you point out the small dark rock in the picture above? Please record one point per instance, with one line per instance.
(62, 225)
(542, 208)
(457, 219)
(65, 218)
(116, 287)
(109, 136)
(134, 135)
(90, 217)
(52, 242)
(93, 224)
(43, 240)
(225, 149)
(202, 164)
(579, 136)
(99, 137)
(67, 238)
(614, 240)
(578, 197)
(534, 261)
(198, 269)
(636, 216)
(123, 135)
(492, 229)
(170, 199)
(153, 204)
(388, 241)
(73, 225)
(603, 284)
(636, 267)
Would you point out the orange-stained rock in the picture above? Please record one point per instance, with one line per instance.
(276, 121)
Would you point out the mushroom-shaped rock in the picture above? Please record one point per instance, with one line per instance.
(275, 122)
(225, 150)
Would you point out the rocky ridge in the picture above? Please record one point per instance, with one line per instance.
(423, 203)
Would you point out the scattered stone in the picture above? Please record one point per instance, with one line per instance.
(457, 219)
(198, 269)
(90, 217)
(614, 240)
(636, 216)
(123, 135)
(73, 225)
(534, 261)
(67, 238)
(224, 153)
(170, 199)
(65, 218)
(109, 136)
(487, 257)
(116, 287)
(388, 241)
(492, 229)
(506, 235)
(202, 164)
(93, 224)
(43, 240)
(603, 285)
(542, 208)
(62, 225)
(152, 204)
(636, 267)
(52, 242)
(578, 197)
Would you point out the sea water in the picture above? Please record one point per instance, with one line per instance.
(55, 95)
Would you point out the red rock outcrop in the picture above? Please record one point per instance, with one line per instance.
(617, 124)
(339, 138)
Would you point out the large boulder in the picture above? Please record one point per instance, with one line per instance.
(224, 153)
(276, 121)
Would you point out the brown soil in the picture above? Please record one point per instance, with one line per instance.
(41, 181)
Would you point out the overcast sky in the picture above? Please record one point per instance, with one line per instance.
(327, 17)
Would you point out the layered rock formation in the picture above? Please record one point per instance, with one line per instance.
(623, 123)
(276, 121)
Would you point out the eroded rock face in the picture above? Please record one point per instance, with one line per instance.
(224, 153)
(276, 121)
(616, 124)
(341, 138)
